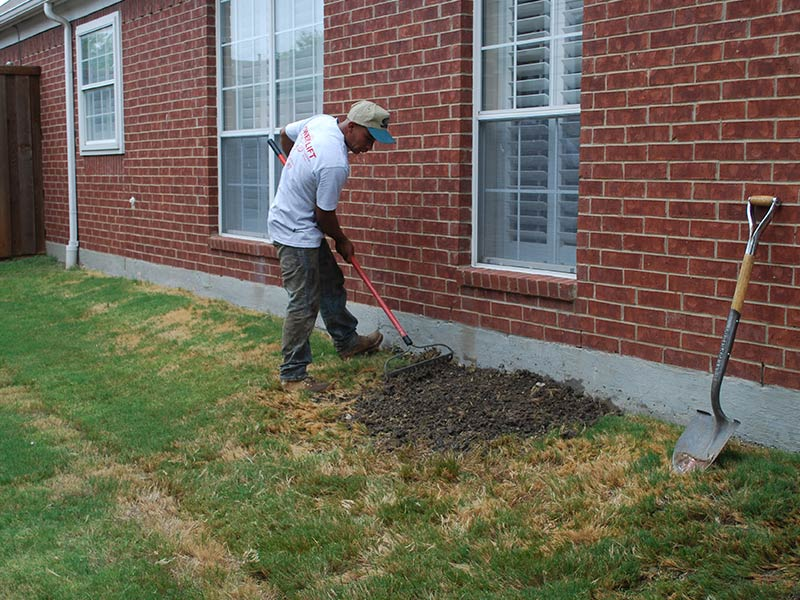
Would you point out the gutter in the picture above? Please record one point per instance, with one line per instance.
(72, 247)
(17, 11)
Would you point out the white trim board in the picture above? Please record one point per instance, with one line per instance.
(28, 19)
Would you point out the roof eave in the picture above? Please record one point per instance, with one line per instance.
(19, 12)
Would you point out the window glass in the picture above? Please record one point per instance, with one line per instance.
(247, 181)
(97, 59)
(100, 86)
(99, 114)
(528, 133)
(528, 204)
(270, 75)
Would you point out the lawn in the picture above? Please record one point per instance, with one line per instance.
(146, 451)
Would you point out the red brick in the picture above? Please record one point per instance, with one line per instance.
(686, 110)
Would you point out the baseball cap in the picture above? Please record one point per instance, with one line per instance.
(373, 117)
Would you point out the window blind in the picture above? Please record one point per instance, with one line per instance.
(533, 63)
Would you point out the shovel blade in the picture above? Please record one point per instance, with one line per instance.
(701, 442)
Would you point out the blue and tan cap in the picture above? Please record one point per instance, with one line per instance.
(373, 117)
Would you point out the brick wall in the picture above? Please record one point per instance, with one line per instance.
(170, 160)
(688, 108)
(409, 204)
(169, 165)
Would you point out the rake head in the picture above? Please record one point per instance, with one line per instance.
(404, 361)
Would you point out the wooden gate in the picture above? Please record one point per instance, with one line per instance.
(21, 195)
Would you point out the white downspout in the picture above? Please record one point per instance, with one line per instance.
(72, 246)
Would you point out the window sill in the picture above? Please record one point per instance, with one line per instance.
(544, 286)
(115, 151)
(240, 246)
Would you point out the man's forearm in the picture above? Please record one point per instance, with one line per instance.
(329, 224)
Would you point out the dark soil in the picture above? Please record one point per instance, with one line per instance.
(449, 407)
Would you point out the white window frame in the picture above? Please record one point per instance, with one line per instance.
(271, 130)
(483, 116)
(115, 145)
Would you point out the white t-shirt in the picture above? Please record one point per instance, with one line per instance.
(314, 175)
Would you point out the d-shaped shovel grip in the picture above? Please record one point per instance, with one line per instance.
(762, 200)
(743, 280)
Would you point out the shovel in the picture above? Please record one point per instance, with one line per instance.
(707, 433)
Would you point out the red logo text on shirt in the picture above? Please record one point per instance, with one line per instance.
(307, 144)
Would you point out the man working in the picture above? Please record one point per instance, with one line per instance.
(304, 211)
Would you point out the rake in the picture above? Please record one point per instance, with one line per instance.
(401, 361)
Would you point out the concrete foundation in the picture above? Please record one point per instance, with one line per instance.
(769, 414)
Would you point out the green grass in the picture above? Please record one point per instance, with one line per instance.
(146, 451)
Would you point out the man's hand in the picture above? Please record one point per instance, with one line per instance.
(345, 249)
(329, 225)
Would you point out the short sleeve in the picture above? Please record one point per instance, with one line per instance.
(329, 186)
(293, 129)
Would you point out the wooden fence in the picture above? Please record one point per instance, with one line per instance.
(21, 194)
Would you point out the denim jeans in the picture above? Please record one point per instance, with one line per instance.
(315, 284)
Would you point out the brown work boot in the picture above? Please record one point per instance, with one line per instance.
(309, 384)
(364, 345)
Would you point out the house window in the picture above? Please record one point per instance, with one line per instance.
(270, 74)
(99, 58)
(527, 133)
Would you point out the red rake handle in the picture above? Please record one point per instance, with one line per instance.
(274, 145)
(383, 305)
(407, 340)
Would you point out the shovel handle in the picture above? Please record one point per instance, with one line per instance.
(771, 203)
(383, 305)
(761, 200)
(742, 282)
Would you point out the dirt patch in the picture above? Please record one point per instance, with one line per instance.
(450, 407)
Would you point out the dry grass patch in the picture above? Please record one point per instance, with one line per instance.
(176, 325)
(197, 552)
(63, 485)
(20, 398)
(157, 511)
(58, 429)
(188, 324)
(304, 421)
(232, 451)
(265, 356)
(99, 309)
(127, 342)
(568, 491)
(383, 545)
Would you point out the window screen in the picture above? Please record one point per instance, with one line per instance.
(528, 133)
(100, 111)
(270, 74)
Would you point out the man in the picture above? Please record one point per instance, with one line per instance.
(303, 213)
